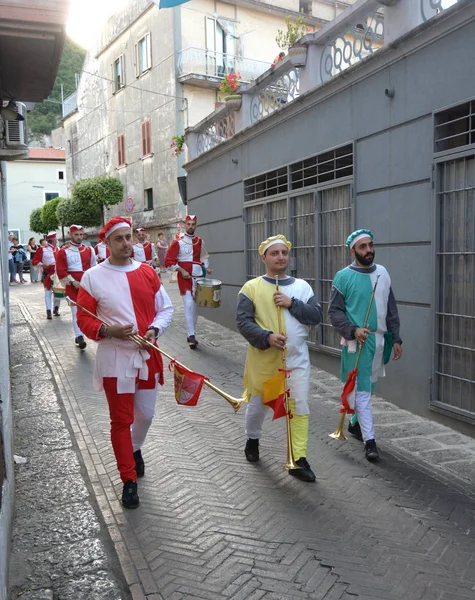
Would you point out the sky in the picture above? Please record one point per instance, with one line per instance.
(86, 17)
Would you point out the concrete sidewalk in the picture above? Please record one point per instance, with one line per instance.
(211, 525)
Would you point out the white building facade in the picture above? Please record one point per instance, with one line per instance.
(155, 73)
(30, 183)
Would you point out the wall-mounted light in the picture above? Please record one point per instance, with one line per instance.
(234, 161)
(389, 92)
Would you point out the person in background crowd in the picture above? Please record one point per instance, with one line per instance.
(278, 58)
(85, 241)
(43, 243)
(11, 265)
(72, 261)
(19, 257)
(102, 251)
(144, 251)
(162, 248)
(34, 271)
(46, 257)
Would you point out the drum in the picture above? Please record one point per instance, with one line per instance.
(208, 293)
(59, 290)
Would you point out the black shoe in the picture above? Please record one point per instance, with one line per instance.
(80, 341)
(139, 463)
(48, 315)
(252, 450)
(56, 311)
(371, 451)
(355, 430)
(130, 497)
(192, 341)
(305, 473)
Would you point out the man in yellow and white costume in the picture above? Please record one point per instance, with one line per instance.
(257, 321)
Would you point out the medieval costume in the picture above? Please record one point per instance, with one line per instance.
(101, 251)
(257, 318)
(188, 252)
(349, 301)
(45, 257)
(129, 374)
(72, 261)
(144, 251)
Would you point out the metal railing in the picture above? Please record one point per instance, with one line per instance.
(278, 92)
(430, 8)
(209, 63)
(217, 132)
(70, 104)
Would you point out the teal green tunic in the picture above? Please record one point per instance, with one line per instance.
(356, 287)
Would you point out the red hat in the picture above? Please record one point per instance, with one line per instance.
(74, 228)
(189, 218)
(51, 235)
(113, 224)
(140, 229)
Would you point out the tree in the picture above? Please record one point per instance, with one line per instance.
(95, 193)
(36, 222)
(48, 214)
(70, 210)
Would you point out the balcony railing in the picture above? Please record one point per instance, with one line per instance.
(354, 36)
(70, 104)
(208, 64)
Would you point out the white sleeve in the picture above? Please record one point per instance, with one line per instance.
(163, 311)
(204, 256)
(93, 258)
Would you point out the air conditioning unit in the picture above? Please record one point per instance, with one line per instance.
(16, 133)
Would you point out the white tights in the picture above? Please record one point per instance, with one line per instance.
(191, 313)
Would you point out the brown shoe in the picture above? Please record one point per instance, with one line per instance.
(192, 341)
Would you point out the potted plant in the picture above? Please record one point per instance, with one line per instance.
(287, 40)
(178, 141)
(229, 85)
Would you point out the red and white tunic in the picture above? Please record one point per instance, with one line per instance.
(46, 256)
(144, 252)
(73, 261)
(123, 295)
(102, 251)
(190, 254)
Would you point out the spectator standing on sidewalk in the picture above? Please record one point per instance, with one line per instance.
(11, 264)
(45, 257)
(32, 248)
(19, 256)
(349, 300)
(258, 322)
(72, 261)
(162, 248)
(128, 296)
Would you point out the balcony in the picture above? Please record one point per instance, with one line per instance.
(70, 104)
(206, 68)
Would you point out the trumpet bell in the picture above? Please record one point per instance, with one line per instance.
(338, 433)
(291, 464)
(234, 402)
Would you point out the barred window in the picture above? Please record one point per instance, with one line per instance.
(268, 184)
(255, 233)
(454, 127)
(325, 167)
(334, 210)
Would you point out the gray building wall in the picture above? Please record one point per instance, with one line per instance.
(394, 196)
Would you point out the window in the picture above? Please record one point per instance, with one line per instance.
(220, 46)
(121, 150)
(61, 175)
(51, 195)
(146, 137)
(143, 52)
(305, 7)
(455, 127)
(118, 74)
(149, 199)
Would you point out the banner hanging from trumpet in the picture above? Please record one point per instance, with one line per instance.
(274, 394)
(188, 384)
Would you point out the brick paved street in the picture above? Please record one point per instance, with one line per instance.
(211, 525)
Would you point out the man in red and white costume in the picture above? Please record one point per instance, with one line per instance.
(45, 256)
(72, 261)
(188, 256)
(128, 296)
(101, 251)
(144, 251)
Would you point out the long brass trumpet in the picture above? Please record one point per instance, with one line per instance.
(290, 460)
(141, 341)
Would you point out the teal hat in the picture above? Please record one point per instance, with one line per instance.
(357, 235)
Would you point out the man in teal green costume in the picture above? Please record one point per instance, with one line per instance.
(349, 301)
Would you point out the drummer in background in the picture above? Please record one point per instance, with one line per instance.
(188, 256)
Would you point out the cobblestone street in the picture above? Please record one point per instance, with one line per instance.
(210, 525)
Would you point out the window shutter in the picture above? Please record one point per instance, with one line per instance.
(149, 51)
(144, 138)
(119, 151)
(149, 137)
(123, 149)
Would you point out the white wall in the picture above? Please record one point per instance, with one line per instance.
(27, 182)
